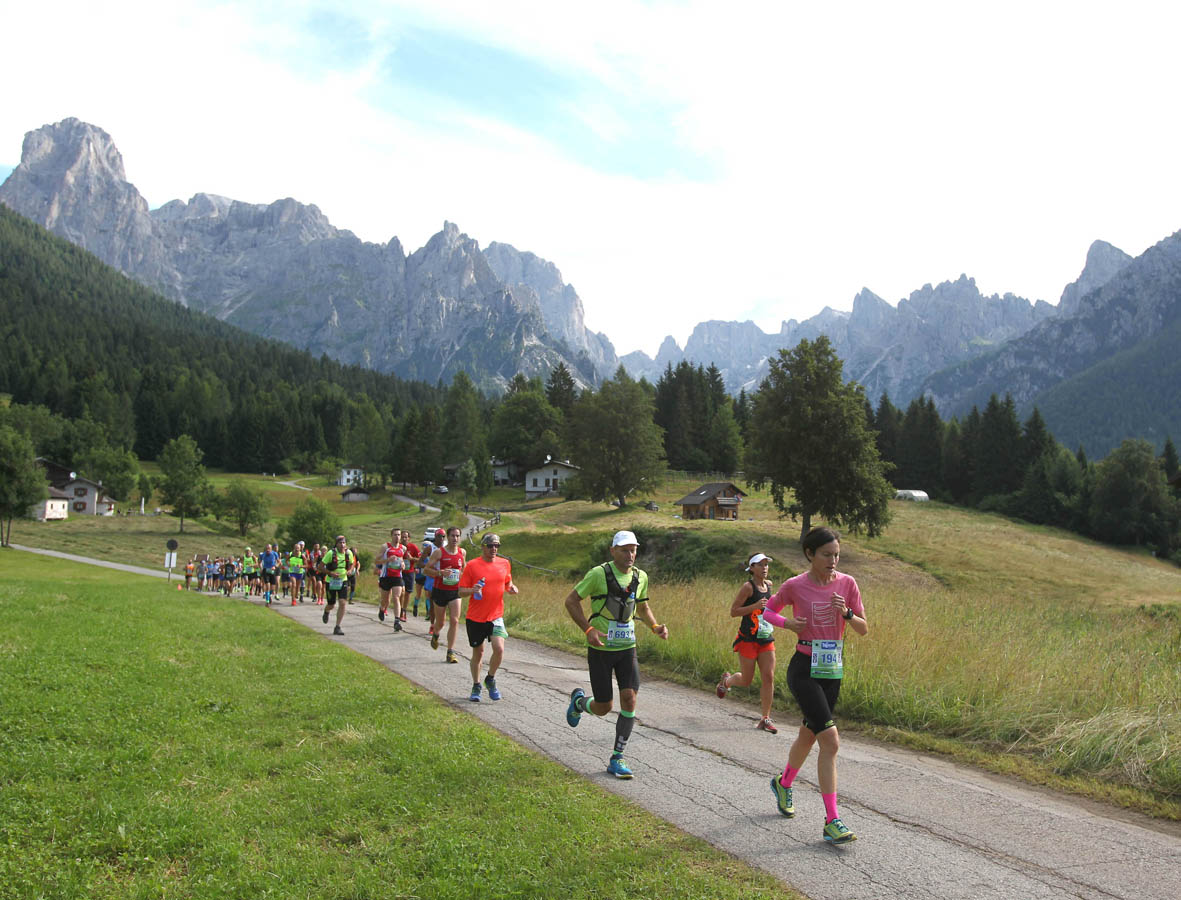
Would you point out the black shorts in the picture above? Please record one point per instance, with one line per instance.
(479, 632)
(333, 596)
(388, 582)
(817, 696)
(603, 664)
(442, 596)
(408, 580)
(269, 577)
(419, 578)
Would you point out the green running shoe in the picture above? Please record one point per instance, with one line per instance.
(835, 832)
(783, 799)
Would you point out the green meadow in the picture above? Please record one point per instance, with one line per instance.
(156, 744)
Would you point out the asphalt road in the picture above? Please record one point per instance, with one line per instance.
(927, 828)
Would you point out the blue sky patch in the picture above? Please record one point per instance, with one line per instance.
(431, 76)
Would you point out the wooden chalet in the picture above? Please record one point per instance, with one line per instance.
(716, 500)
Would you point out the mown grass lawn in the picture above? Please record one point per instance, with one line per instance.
(164, 744)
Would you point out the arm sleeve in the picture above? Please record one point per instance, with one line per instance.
(773, 612)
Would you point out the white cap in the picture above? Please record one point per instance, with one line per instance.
(757, 558)
(624, 539)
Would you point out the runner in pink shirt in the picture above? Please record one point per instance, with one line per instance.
(823, 602)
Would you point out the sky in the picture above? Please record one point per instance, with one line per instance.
(677, 161)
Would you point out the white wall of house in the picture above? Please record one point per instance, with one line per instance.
(350, 475)
(51, 509)
(83, 497)
(548, 479)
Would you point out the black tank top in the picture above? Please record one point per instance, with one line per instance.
(748, 625)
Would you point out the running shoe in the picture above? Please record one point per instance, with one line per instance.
(475, 697)
(434, 641)
(835, 832)
(452, 657)
(783, 797)
(618, 768)
(381, 615)
(722, 688)
(493, 690)
(397, 625)
(416, 610)
(293, 602)
(765, 724)
(338, 630)
(573, 713)
(404, 615)
(324, 618)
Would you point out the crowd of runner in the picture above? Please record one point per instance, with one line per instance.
(815, 607)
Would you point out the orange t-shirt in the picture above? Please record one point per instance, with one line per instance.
(497, 575)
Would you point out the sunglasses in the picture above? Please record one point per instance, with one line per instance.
(492, 545)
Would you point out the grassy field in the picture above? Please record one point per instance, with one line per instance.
(163, 744)
(1024, 649)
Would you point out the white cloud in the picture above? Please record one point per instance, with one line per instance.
(876, 145)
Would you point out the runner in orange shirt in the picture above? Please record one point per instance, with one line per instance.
(486, 579)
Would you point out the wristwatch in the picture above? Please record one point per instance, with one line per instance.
(848, 614)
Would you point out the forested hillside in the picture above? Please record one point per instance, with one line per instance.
(88, 343)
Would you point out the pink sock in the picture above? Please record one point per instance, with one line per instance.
(830, 807)
(788, 776)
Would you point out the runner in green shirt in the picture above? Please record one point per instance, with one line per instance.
(617, 591)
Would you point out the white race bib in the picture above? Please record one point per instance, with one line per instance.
(621, 634)
(828, 659)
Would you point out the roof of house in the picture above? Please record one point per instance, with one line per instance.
(708, 492)
(80, 480)
(555, 462)
(57, 494)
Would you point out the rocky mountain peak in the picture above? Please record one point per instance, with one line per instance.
(1104, 262)
(73, 148)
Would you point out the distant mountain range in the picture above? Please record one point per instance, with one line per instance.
(282, 270)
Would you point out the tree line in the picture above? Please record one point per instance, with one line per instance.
(994, 462)
(101, 372)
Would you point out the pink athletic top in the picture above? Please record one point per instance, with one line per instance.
(813, 602)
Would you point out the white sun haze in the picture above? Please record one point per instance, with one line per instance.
(810, 152)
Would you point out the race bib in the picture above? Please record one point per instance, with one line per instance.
(621, 634)
(828, 659)
(498, 628)
(393, 563)
(451, 577)
(335, 584)
(765, 630)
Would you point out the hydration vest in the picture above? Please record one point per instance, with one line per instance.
(617, 604)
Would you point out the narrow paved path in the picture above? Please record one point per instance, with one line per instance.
(927, 828)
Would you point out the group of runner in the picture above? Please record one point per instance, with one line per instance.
(296, 575)
(441, 576)
(438, 577)
(223, 574)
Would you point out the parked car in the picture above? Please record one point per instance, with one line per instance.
(440, 489)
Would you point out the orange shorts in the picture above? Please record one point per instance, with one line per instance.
(751, 650)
